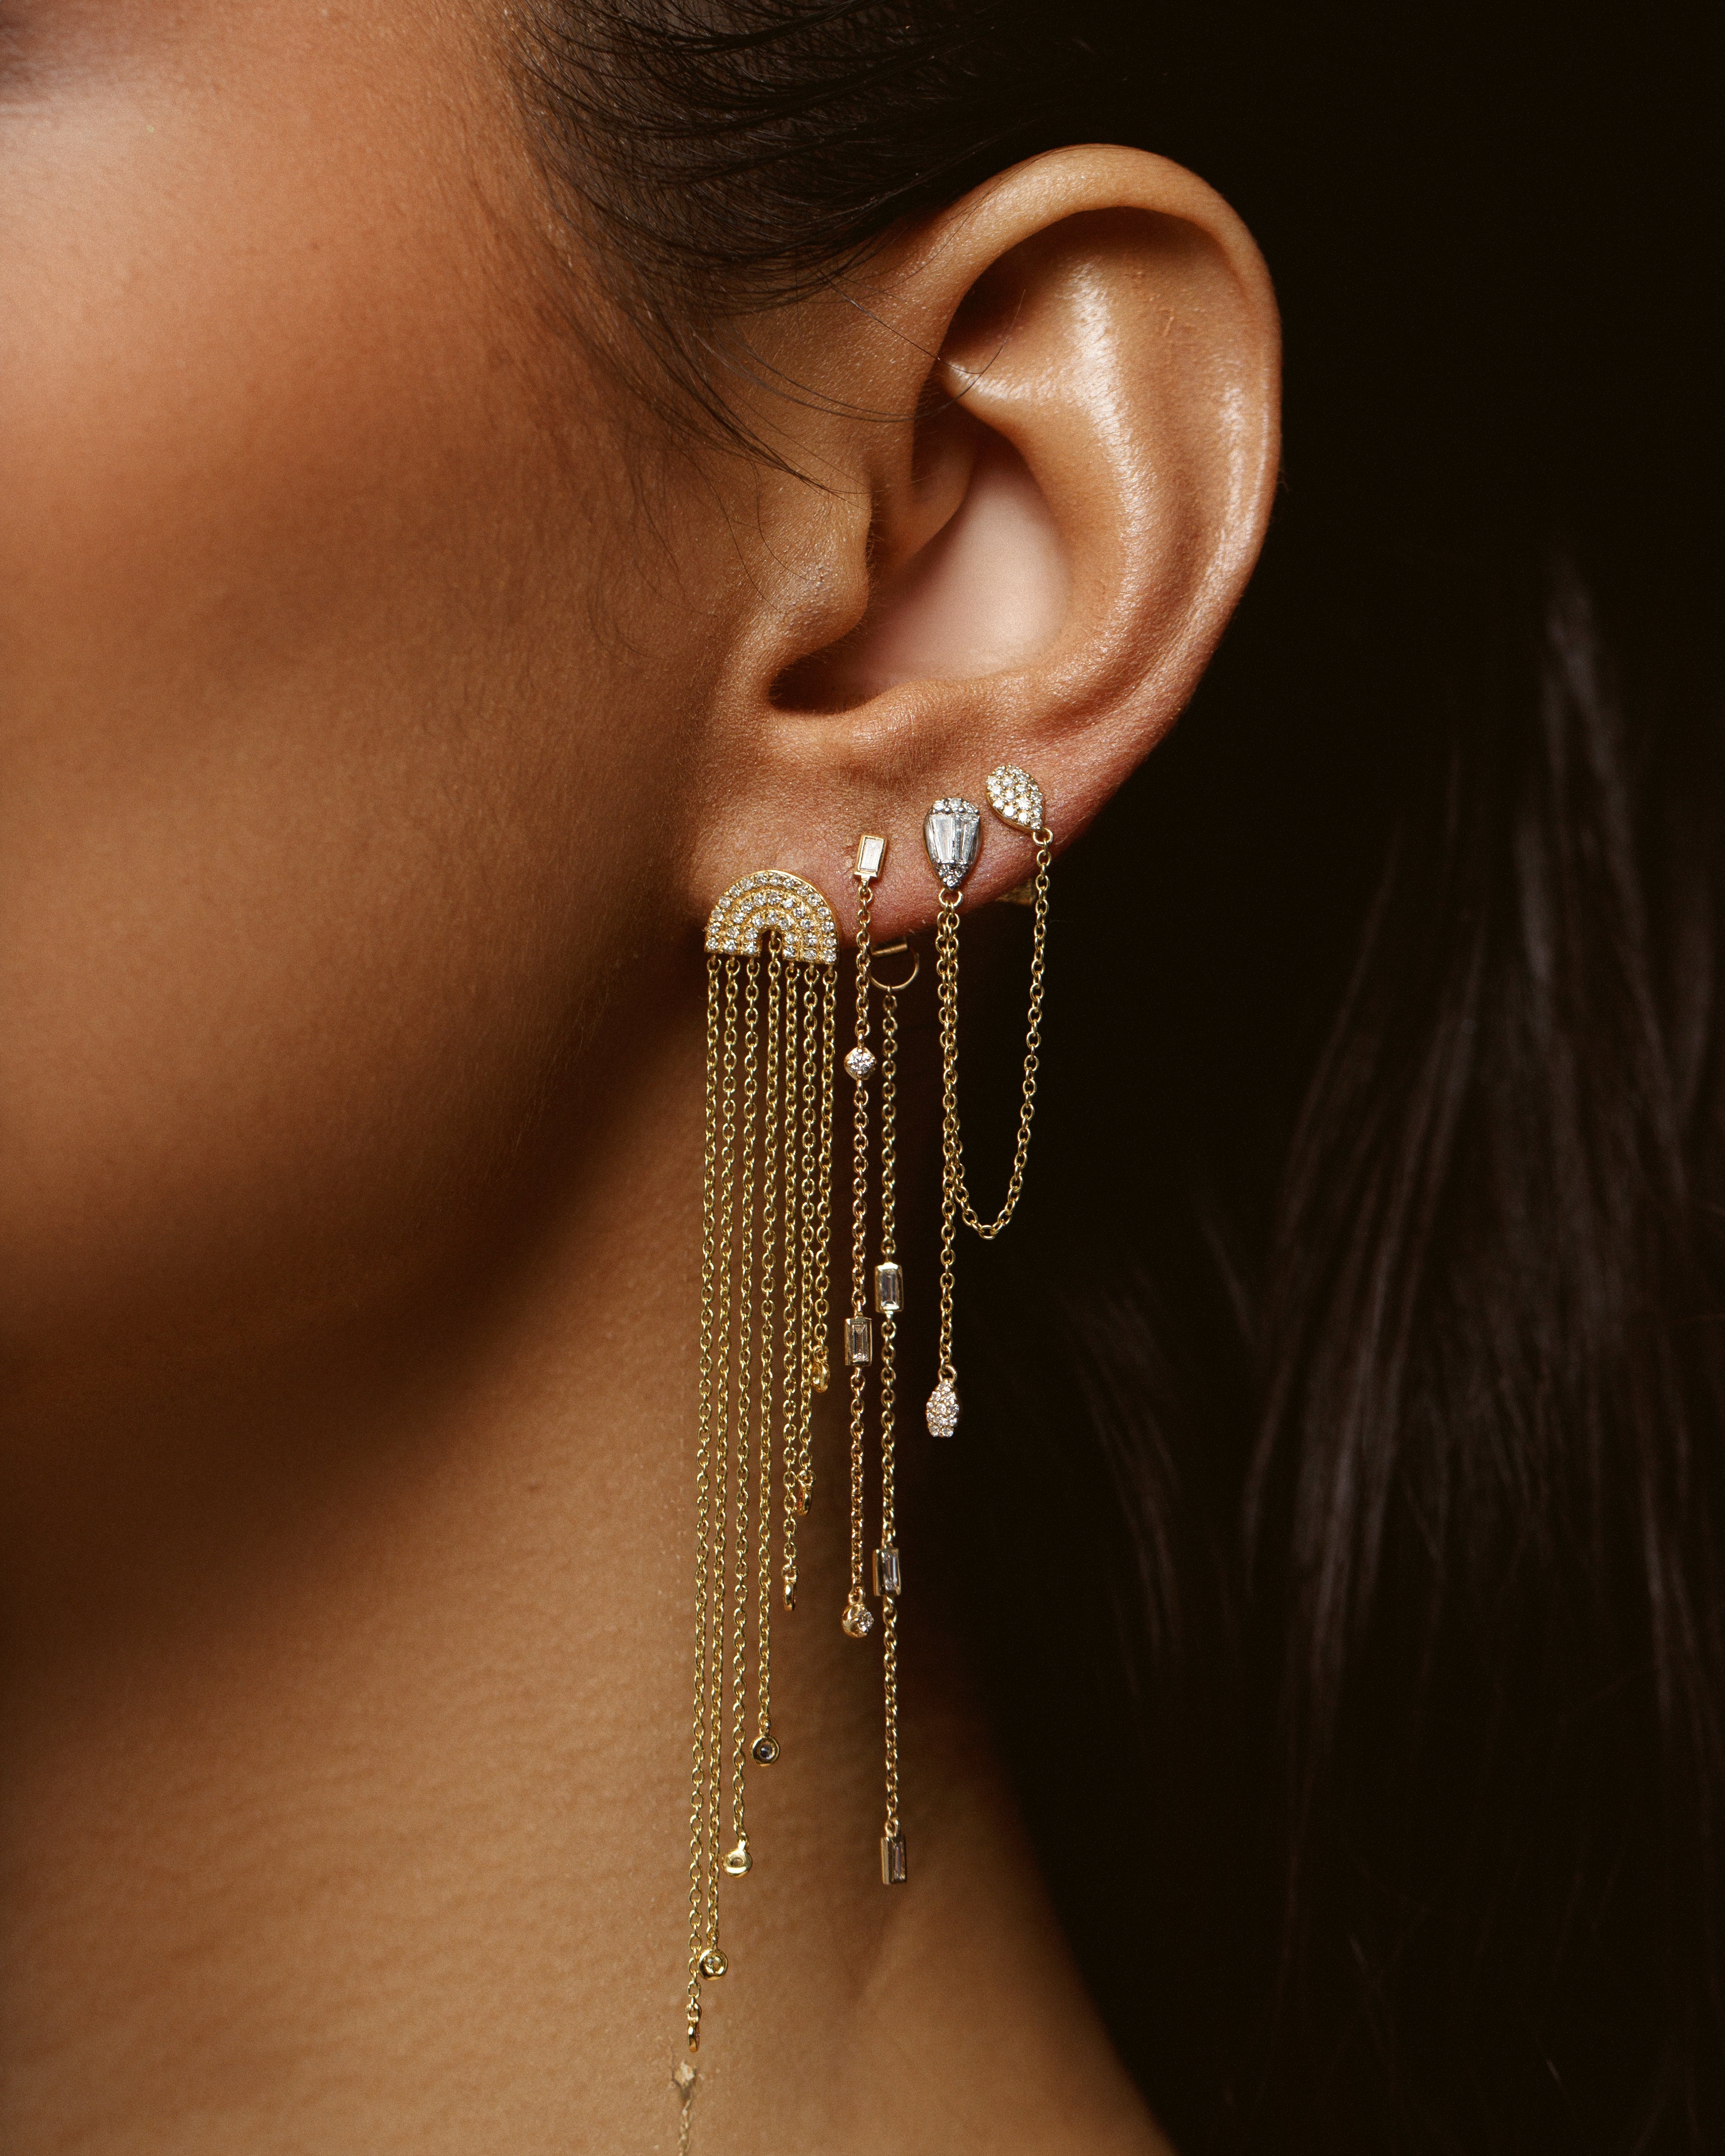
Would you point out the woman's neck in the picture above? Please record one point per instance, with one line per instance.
(346, 1757)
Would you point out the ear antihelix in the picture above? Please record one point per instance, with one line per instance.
(951, 833)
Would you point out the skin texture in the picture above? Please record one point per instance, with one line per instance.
(383, 710)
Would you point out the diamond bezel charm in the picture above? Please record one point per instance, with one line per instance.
(941, 1413)
(952, 831)
(858, 1621)
(1015, 797)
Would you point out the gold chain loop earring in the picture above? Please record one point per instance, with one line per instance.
(773, 950)
(952, 832)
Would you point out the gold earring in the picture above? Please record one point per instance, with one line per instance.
(858, 1619)
(889, 1302)
(861, 1063)
(951, 833)
(772, 951)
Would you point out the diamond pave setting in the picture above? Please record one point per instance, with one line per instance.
(774, 899)
(941, 1413)
(1015, 797)
(952, 831)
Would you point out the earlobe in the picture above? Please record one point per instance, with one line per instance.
(1040, 558)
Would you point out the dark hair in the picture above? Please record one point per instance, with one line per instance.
(1348, 1544)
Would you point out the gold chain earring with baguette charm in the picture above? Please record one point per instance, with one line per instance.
(773, 950)
(952, 833)
(861, 1063)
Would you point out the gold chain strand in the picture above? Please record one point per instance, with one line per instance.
(728, 1299)
(987, 1229)
(824, 1225)
(797, 1437)
(889, 1297)
(771, 1147)
(799, 1235)
(745, 1276)
(946, 944)
(703, 1485)
(859, 1620)
(796, 1286)
(708, 1742)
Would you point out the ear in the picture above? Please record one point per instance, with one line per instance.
(1038, 470)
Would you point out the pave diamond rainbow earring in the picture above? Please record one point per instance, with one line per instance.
(772, 951)
(952, 833)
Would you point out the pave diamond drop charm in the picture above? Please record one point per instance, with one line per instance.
(941, 1413)
(952, 831)
(860, 1063)
(1015, 797)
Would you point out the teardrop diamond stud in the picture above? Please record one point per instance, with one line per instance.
(941, 1413)
(1015, 797)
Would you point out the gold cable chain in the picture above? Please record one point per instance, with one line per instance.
(739, 1617)
(823, 1221)
(946, 949)
(703, 1490)
(797, 1436)
(952, 1145)
(858, 1617)
(710, 1511)
(889, 1391)
(770, 1152)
